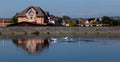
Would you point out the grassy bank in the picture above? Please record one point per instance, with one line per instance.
(58, 30)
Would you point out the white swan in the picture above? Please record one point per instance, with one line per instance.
(54, 40)
(66, 38)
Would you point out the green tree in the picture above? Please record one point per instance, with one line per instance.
(107, 20)
(72, 23)
(66, 18)
(15, 18)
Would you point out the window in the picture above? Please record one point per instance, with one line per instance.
(36, 12)
(31, 13)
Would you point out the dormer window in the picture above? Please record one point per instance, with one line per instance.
(31, 13)
(36, 12)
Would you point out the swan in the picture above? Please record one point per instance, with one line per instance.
(66, 38)
(54, 40)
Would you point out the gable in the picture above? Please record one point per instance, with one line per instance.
(39, 12)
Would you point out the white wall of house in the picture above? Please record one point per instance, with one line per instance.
(51, 21)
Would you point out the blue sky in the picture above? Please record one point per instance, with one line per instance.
(72, 8)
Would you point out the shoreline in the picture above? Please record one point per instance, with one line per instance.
(58, 30)
(81, 36)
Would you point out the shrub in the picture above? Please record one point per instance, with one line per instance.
(48, 32)
(25, 32)
(0, 33)
(36, 33)
(98, 32)
(86, 33)
(12, 33)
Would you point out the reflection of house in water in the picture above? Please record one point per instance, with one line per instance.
(32, 45)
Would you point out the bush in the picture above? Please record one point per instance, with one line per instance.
(36, 33)
(86, 33)
(25, 32)
(0, 33)
(48, 33)
(98, 32)
(12, 33)
(72, 23)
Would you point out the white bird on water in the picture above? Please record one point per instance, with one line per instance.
(54, 40)
(66, 38)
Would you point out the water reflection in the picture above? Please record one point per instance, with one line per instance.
(39, 44)
(36, 45)
(32, 45)
(64, 48)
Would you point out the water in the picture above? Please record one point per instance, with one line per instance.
(60, 49)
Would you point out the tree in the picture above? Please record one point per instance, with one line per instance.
(107, 20)
(66, 18)
(72, 23)
(59, 22)
(15, 18)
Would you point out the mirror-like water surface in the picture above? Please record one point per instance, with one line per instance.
(60, 49)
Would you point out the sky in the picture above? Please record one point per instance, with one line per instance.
(72, 8)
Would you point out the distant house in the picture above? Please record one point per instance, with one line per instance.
(5, 21)
(92, 20)
(33, 14)
(89, 22)
(65, 22)
(69, 22)
(53, 19)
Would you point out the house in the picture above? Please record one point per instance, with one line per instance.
(69, 22)
(88, 22)
(53, 20)
(81, 21)
(5, 21)
(92, 20)
(33, 15)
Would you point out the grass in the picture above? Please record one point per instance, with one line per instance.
(36, 33)
(48, 33)
(73, 33)
(12, 33)
(86, 32)
(109, 33)
(25, 32)
(98, 33)
(61, 33)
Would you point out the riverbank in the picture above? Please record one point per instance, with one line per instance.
(80, 36)
(58, 30)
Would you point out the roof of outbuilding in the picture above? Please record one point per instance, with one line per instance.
(26, 24)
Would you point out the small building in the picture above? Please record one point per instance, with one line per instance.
(69, 22)
(53, 20)
(5, 21)
(33, 14)
(91, 22)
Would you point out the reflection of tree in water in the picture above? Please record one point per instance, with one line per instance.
(32, 45)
